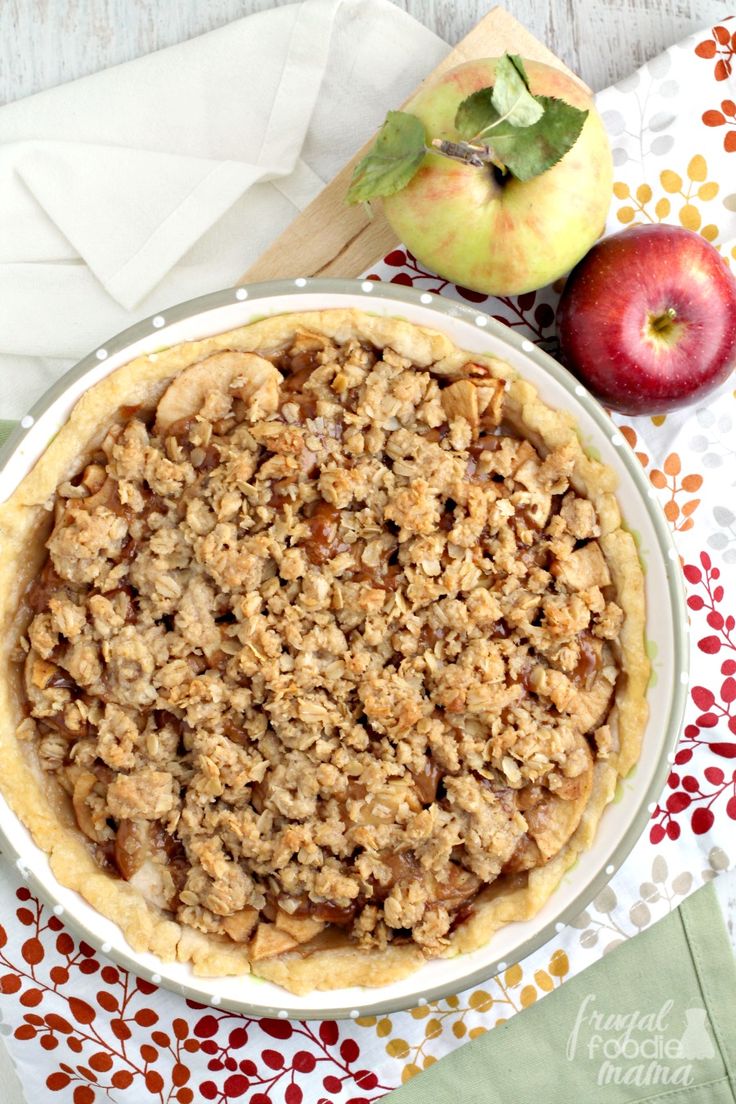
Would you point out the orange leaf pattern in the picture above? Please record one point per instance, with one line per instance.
(678, 514)
(725, 117)
(721, 46)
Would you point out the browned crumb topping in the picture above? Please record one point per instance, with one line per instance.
(323, 644)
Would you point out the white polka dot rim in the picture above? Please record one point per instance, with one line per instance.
(159, 321)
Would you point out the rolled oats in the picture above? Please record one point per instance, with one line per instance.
(327, 642)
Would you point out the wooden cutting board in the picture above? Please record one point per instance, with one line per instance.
(329, 238)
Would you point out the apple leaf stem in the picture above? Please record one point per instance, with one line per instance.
(469, 153)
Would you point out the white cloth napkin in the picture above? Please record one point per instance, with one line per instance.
(163, 178)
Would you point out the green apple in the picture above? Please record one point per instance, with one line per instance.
(479, 225)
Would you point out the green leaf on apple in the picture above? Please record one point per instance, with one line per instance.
(392, 162)
(524, 151)
(510, 95)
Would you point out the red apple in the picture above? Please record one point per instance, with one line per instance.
(647, 319)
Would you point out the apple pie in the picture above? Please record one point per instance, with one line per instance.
(325, 649)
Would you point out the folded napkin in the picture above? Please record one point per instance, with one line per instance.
(163, 178)
(669, 1037)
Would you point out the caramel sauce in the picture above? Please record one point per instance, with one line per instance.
(43, 588)
(258, 795)
(463, 913)
(458, 891)
(152, 504)
(181, 427)
(108, 497)
(62, 680)
(447, 521)
(528, 797)
(197, 663)
(429, 635)
(437, 433)
(402, 866)
(218, 661)
(211, 460)
(128, 551)
(105, 855)
(57, 722)
(278, 498)
(589, 663)
(300, 368)
(383, 576)
(525, 675)
(331, 913)
(427, 780)
(324, 543)
(175, 857)
(490, 442)
(131, 615)
(237, 735)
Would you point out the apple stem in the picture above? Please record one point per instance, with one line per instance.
(663, 321)
(469, 153)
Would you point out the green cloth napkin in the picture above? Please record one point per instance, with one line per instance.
(655, 1020)
(6, 428)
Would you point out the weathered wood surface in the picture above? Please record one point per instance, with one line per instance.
(45, 42)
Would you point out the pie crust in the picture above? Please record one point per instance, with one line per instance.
(461, 386)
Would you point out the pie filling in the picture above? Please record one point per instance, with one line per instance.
(322, 641)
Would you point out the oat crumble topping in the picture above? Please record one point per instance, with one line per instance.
(324, 643)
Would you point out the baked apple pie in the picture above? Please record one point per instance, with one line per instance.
(327, 649)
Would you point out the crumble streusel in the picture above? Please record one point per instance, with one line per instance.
(328, 641)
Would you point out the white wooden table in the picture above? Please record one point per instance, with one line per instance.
(43, 44)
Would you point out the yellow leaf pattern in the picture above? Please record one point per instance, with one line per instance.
(637, 209)
(467, 1016)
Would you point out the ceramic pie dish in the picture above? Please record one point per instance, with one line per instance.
(429, 587)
